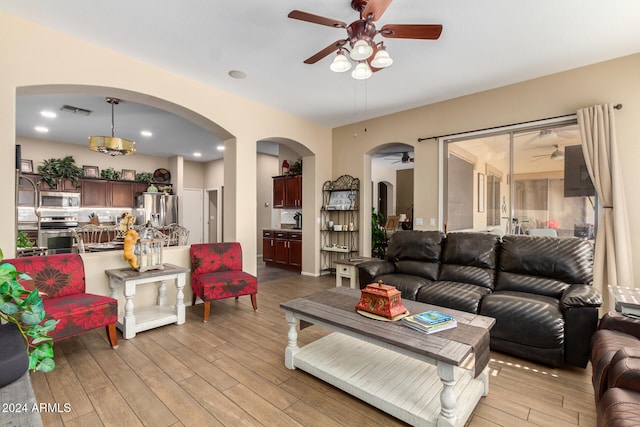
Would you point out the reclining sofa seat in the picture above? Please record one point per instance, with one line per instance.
(537, 288)
(545, 307)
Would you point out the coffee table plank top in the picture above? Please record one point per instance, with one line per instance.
(336, 307)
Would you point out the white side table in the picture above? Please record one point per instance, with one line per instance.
(148, 317)
(349, 270)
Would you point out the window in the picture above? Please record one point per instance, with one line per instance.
(535, 179)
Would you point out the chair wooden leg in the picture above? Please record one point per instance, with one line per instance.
(254, 301)
(207, 309)
(193, 300)
(111, 335)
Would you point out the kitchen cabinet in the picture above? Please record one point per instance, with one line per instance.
(268, 242)
(62, 185)
(94, 192)
(287, 191)
(121, 194)
(282, 249)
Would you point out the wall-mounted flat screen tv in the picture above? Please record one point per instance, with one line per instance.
(577, 182)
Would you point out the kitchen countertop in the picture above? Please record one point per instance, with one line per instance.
(283, 229)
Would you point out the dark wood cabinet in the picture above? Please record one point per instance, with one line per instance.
(287, 191)
(94, 192)
(62, 185)
(121, 194)
(268, 248)
(282, 249)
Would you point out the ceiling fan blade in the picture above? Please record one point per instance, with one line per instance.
(375, 9)
(326, 51)
(411, 31)
(316, 19)
(565, 134)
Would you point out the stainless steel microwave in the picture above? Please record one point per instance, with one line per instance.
(58, 199)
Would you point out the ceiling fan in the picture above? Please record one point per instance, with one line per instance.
(405, 158)
(363, 49)
(557, 154)
(548, 134)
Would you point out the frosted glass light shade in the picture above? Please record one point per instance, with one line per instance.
(340, 64)
(381, 60)
(361, 51)
(362, 71)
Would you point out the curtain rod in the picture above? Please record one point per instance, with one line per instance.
(617, 107)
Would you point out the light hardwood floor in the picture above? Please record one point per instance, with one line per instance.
(231, 372)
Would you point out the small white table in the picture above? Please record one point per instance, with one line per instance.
(348, 269)
(148, 317)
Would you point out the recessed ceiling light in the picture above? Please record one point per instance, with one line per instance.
(146, 133)
(41, 129)
(48, 114)
(237, 74)
(220, 147)
(196, 154)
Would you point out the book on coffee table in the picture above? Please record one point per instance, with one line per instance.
(411, 322)
(432, 317)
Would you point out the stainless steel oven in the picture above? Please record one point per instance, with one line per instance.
(59, 200)
(55, 230)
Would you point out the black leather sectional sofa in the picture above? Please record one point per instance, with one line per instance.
(537, 288)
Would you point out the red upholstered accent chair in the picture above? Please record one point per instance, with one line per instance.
(216, 273)
(61, 278)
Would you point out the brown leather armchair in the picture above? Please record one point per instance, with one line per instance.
(615, 359)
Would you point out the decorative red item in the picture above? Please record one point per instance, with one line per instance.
(285, 167)
(380, 299)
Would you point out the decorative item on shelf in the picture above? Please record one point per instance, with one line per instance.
(128, 175)
(148, 249)
(162, 175)
(165, 189)
(381, 300)
(91, 171)
(152, 189)
(110, 173)
(285, 167)
(144, 177)
(54, 170)
(26, 166)
(296, 168)
(110, 144)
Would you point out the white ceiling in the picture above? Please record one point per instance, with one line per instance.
(484, 44)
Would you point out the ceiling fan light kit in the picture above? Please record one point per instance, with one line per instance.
(371, 56)
(110, 144)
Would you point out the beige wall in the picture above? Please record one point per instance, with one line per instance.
(39, 150)
(32, 56)
(556, 95)
(268, 166)
(193, 174)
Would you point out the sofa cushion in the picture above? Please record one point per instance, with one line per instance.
(407, 284)
(56, 275)
(563, 261)
(428, 270)
(456, 295)
(605, 344)
(415, 245)
(469, 258)
(619, 408)
(528, 319)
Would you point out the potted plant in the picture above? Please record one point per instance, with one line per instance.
(146, 177)
(53, 170)
(110, 173)
(24, 309)
(378, 237)
(23, 240)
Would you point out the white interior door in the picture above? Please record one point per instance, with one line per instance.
(193, 214)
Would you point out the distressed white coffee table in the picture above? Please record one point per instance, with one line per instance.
(415, 377)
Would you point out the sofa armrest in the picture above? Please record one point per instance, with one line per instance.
(581, 296)
(625, 369)
(618, 322)
(369, 270)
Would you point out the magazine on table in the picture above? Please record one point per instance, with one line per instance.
(432, 317)
(429, 329)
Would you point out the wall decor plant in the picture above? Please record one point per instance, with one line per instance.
(110, 173)
(144, 177)
(53, 170)
(24, 309)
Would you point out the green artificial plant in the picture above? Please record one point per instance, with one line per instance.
(144, 177)
(23, 240)
(378, 236)
(24, 309)
(110, 173)
(53, 170)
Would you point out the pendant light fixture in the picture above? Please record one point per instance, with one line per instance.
(110, 144)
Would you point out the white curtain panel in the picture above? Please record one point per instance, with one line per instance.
(612, 264)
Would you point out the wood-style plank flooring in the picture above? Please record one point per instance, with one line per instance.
(231, 372)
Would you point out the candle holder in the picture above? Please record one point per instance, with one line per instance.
(148, 249)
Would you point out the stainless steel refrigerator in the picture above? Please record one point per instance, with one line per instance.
(161, 209)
